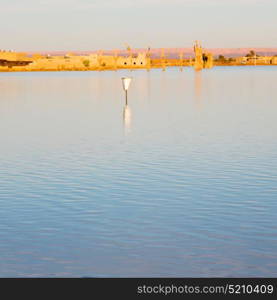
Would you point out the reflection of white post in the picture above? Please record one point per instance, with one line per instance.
(126, 83)
(127, 115)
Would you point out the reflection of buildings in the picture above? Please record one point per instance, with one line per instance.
(127, 117)
(198, 88)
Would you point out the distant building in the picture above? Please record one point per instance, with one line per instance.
(208, 60)
(241, 60)
(13, 56)
(273, 60)
(140, 60)
(258, 60)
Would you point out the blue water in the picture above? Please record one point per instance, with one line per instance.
(182, 182)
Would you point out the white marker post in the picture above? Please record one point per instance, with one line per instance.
(126, 83)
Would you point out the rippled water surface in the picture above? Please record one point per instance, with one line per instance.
(181, 182)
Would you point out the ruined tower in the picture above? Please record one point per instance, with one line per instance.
(148, 59)
(181, 56)
(115, 59)
(163, 58)
(198, 51)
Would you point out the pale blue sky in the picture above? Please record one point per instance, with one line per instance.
(101, 24)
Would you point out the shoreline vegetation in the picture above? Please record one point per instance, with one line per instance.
(131, 60)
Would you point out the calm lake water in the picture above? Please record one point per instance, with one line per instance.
(182, 182)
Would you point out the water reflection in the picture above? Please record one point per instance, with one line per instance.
(127, 117)
(198, 88)
(197, 84)
(188, 194)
